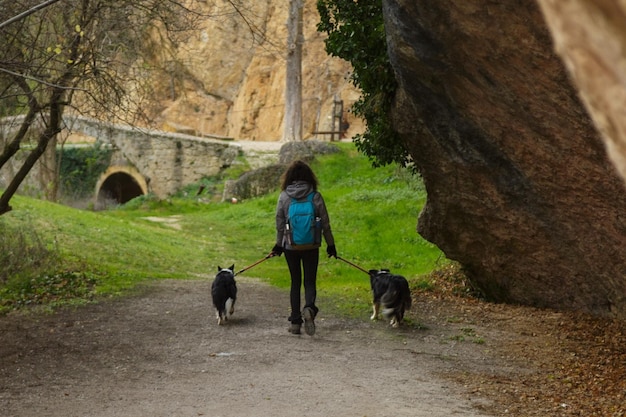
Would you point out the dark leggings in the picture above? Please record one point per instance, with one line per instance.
(297, 261)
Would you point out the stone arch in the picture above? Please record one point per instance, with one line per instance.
(118, 185)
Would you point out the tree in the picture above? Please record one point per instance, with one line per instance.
(293, 91)
(356, 33)
(79, 54)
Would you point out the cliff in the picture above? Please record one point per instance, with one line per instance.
(229, 79)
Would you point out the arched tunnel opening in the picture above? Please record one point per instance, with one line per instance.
(119, 187)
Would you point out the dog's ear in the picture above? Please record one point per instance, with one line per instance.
(232, 267)
(219, 268)
(373, 272)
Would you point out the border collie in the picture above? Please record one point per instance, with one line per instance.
(224, 293)
(392, 293)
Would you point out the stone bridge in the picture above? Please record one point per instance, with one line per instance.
(151, 161)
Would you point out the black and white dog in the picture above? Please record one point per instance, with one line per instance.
(224, 293)
(392, 293)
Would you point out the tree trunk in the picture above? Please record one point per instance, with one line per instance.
(52, 129)
(12, 147)
(293, 91)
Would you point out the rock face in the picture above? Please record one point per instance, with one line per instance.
(520, 189)
(230, 81)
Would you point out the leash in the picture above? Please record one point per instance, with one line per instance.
(351, 264)
(255, 264)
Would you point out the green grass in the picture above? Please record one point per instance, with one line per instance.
(373, 215)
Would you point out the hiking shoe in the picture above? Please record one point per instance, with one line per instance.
(294, 328)
(309, 323)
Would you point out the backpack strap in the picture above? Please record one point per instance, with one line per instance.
(310, 198)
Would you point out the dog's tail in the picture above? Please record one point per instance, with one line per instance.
(388, 313)
(396, 299)
(390, 302)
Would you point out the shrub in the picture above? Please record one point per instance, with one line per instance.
(23, 252)
(31, 272)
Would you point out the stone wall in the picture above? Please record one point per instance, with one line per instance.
(167, 161)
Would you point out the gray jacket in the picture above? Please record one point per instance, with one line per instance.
(300, 190)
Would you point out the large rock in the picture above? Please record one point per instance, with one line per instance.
(266, 179)
(520, 189)
(254, 183)
(304, 150)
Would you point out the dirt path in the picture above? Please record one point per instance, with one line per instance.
(161, 353)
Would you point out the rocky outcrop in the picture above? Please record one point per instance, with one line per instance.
(520, 189)
(229, 79)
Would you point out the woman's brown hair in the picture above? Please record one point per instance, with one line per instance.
(298, 171)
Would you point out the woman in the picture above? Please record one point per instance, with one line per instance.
(298, 182)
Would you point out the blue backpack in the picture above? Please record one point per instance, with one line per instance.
(303, 227)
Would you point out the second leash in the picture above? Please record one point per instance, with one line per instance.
(354, 265)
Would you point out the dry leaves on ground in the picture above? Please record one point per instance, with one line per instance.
(569, 363)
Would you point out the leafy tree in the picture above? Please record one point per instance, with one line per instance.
(356, 33)
(81, 54)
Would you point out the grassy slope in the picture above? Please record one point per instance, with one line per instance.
(373, 214)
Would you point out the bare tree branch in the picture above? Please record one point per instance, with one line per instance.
(27, 13)
(31, 78)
